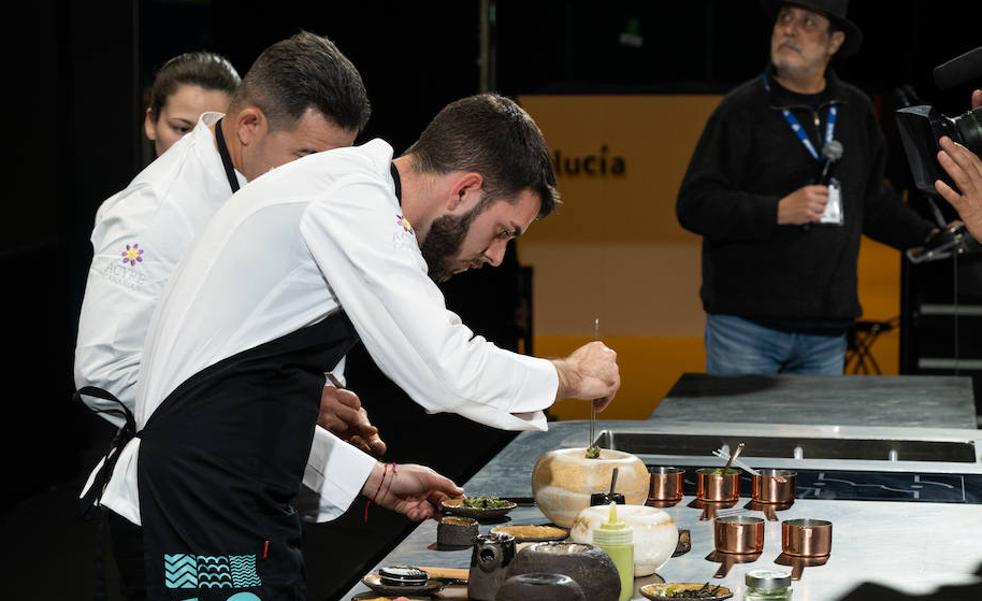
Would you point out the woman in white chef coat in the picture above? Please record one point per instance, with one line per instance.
(186, 87)
(142, 232)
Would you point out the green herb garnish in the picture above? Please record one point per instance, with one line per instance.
(593, 452)
(485, 503)
(703, 593)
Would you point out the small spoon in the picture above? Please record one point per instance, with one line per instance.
(732, 457)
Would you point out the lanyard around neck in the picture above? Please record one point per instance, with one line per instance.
(233, 181)
(799, 131)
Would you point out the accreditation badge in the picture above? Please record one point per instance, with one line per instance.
(833, 209)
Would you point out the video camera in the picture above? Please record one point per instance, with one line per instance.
(922, 126)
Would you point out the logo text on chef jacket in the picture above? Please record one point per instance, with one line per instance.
(599, 164)
(124, 275)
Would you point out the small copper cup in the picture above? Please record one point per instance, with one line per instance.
(738, 539)
(806, 537)
(666, 484)
(805, 543)
(738, 534)
(717, 487)
(773, 488)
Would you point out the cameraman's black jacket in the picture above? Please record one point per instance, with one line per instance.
(746, 160)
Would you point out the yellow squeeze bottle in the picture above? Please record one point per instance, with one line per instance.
(617, 540)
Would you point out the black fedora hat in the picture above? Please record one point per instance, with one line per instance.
(835, 10)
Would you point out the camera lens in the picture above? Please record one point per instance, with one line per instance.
(968, 130)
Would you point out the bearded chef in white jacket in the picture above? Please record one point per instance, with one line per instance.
(288, 274)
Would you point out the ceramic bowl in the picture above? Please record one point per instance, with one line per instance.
(655, 534)
(540, 587)
(563, 480)
(456, 507)
(591, 568)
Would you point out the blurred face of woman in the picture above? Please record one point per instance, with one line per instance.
(180, 114)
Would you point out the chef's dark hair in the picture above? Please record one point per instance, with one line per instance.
(493, 136)
(302, 72)
(206, 69)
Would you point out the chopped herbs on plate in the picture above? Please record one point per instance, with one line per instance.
(485, 503)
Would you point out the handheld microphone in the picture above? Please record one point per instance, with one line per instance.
(832, 152)
(959, 70)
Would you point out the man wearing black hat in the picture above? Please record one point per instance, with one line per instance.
(786, 177)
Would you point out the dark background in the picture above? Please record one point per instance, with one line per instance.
(74, 77)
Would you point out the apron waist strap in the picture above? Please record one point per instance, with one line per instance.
(126, 433)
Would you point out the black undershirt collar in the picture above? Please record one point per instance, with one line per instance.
(397, 181)
(233, 181)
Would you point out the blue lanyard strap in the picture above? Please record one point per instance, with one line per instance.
(799, 131)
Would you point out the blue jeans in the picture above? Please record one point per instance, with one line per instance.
(738, 346)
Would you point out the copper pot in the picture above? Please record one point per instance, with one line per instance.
(739, 534)
(738, 539)
(805, 542)
(717, 487)
(773, 487)
(806, 537)
(666, 484)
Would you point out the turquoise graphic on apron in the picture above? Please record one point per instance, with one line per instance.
(211, 571)
(180, 571)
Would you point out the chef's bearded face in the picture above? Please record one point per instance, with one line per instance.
(444, 240)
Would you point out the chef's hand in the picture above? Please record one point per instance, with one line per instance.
(412, 490)
(804, 205)
(341, 414)
(591, 373)
(965, 169)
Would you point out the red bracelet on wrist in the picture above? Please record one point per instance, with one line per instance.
(394, 472)
(385, 470)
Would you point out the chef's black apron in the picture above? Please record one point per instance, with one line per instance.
(220, 460)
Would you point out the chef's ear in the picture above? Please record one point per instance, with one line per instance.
(150, 126)
(462, 190)
(250, 125)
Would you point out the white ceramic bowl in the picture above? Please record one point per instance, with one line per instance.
(655, 534)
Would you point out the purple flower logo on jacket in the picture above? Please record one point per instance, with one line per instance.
(133, 254)
(406, 226)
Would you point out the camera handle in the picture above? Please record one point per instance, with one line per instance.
(950, 241)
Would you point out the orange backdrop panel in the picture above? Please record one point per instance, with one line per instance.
(616, 251)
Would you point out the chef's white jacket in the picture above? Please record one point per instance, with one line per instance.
(317, 235)
(140, 235)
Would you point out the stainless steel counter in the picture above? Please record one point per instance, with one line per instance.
(894, 401)
(912, 547)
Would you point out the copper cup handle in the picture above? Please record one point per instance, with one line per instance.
(797, 567)
(724, 566)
